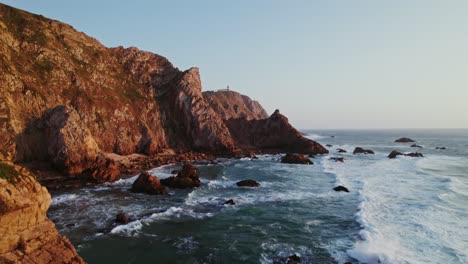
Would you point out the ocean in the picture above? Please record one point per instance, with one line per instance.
(403, 210)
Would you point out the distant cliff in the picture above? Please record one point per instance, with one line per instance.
(230, 104)
(67, 100)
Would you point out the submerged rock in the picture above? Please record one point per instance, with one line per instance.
(147, 183)
(360, 150)
(293, 259)
(329, 145)
(122, 218)
(295, 159)
(416, 146)
(248, 183)
(415, 155)
(337, 159)
(187, 177)
(230, 202)
(404, 140)
(340, 188)
(341, 150)
(441, 148)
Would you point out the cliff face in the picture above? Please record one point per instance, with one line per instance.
(230, 104)
(26, 235)
(67, 100)
(271, 134)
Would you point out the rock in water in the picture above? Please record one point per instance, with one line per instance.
(122, 218)
(295, 159)
(415, 155)
(404, 140)
(329, 145)
(394, 154)
(186, 178)
(248, 183)
(340, 189)
(416, 146)
(293, 259)
(336, 159)
(341, 150)
(230, 202)
(360, 150)
(147, 183)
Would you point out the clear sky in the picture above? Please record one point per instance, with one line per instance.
(324, 64)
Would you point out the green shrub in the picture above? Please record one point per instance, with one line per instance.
(8, 172)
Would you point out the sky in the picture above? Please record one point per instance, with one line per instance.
(330, 64)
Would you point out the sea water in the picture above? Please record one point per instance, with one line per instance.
(403, 210)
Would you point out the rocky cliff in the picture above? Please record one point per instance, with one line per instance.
(68, 101)
(230, 104)
(26, 235)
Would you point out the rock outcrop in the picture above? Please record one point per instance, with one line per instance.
(187, 177)
(404, 140)
(147, 183)
(359, 150)
(27, 236)
(271, 134)
(296, 159)
(230, 104)
(68, 101)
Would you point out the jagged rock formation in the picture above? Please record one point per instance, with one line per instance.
(26, 235)
(271, 134)
(230, 104)
(68, 101)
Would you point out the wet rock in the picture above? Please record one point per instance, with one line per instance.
(122, 218)
(248, 183)
(186, 178)
(360, 150)
(416, 146)
(415, 155)
(332, 136)
(147, 183)
(341, 150)
(404, 140)
(312, 156)
(174, 171)
(337, 159)
(230, 202)
(329, 145)
(295, 159)
(394, 154)
(293, 259)
(441, 148)
(340, 189)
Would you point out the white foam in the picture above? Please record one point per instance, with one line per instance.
(64, 198)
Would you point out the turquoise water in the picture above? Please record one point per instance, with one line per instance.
(406, 210)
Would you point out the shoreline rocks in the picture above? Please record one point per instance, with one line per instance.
(147, 183)
(296, 159)
(186, 178)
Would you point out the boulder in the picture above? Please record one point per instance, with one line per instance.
(341, 150)
(416, 146)
(187, 177)
(340, 189)
(359, 150)
(230, 202)
(248, 183)
(147, 183)
(394, 154)
(404, 140)
(295, 159)
(337, 159)
(122, 218)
